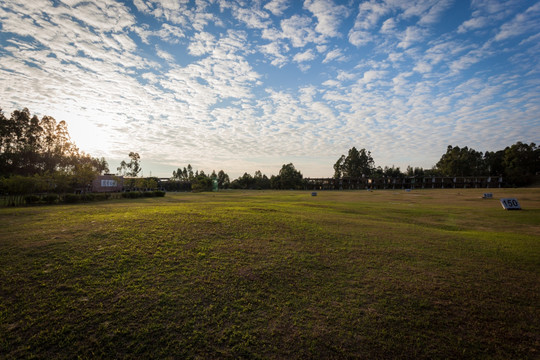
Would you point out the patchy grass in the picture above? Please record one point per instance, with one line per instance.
(350, 274)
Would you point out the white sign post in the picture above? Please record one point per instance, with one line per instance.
(510, 204)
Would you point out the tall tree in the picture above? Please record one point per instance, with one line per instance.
(133, 168)
(288, 178)
(393, 172)
(261, 180)
(338, 167)
(521, 161)
(355, 164)
(461, 162)
(32, 146)
(223, 180)
(245, 181)
(493, 163)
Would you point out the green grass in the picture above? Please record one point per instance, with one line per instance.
(266, 274)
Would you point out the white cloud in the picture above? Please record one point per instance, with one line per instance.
(521, 23)
(335, 54)
(307, 55)
(321, 48)
(298, 29)
(372, 75)
(202, 43)
(307, 94)
(225, 107)
(423, 67)
(329, 16)
(277, 7)
(151, 77)
(370, 13)
(252, 17)
(360, 38)
(389, 26)
(274, 51)
(470, 58)
(331, 83)
(173, 11)
(345, 76)
(486, 13)
(435, 11)
(413, 34)
(164, 55)
(401, 84)
(473, 24)
(169, 33)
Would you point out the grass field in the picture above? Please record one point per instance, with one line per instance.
(278, 275)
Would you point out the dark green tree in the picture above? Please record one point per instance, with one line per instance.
(355, 164)
(521, 161)
(261, 180)
(338, 167)
(461, 162)
(201, 182)
(393, 172)
(494, 163)
(288, 178)
(31, 146)
(223, 180)
(416, 171)
(245, 181)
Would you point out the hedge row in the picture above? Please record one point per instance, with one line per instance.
(76, 198)
(138, 194)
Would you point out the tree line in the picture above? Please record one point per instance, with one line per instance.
(37, 155)
(288, 178)
(517, 164)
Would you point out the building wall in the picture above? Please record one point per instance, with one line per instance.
(108, 183)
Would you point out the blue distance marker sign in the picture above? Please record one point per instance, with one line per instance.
(510, 204)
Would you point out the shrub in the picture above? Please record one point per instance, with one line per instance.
(159, 193)
(132, 194)
(88, 197)
(102, 196)
(148, 193)
(50, 198)
(114, 195)
(72, 198)
(31, 199)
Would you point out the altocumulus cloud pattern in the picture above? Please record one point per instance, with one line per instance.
(248, 85)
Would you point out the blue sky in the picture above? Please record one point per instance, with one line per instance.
(251, 85)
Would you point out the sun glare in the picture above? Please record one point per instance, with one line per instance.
(86, 134)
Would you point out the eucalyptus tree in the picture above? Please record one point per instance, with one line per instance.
(131, 168)
(355, 164)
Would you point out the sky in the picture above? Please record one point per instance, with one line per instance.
(242, 86)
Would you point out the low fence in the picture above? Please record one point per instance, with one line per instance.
(403, 183)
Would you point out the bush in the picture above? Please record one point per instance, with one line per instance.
(50, 198)
(132, 194)
(31, 199)
(102, 196)
(71, 198)
(159, 193)
(88, 197)
(148, 194)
